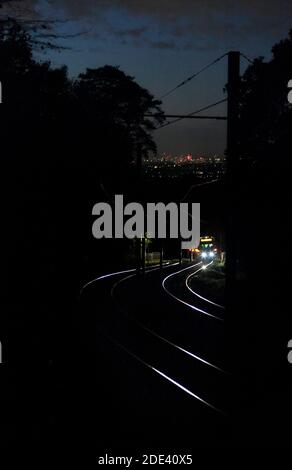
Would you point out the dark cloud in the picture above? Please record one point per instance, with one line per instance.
(176, 8)
(135, 38)
(178, 20)
(131, 32)
(257, 11)
(162, 44)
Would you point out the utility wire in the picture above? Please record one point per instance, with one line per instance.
(192, 76)
(246, 58)
(193, 113)
(186, 116)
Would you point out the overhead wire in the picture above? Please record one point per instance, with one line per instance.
(187, 80)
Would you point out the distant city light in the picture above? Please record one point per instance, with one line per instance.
(200, 167)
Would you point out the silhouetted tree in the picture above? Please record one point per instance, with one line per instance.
(265, 114)
(43, 32)
(262, 218)
(31, 90)
(60, 139)
(113, 97)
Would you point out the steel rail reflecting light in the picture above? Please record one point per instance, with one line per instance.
(154, 333)
(204, 312)
(198, 295)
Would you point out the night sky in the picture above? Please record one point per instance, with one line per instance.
(161, 42)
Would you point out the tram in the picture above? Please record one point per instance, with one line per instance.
(207, 248)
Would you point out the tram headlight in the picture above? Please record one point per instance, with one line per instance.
(211, 254)
(204, 255)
